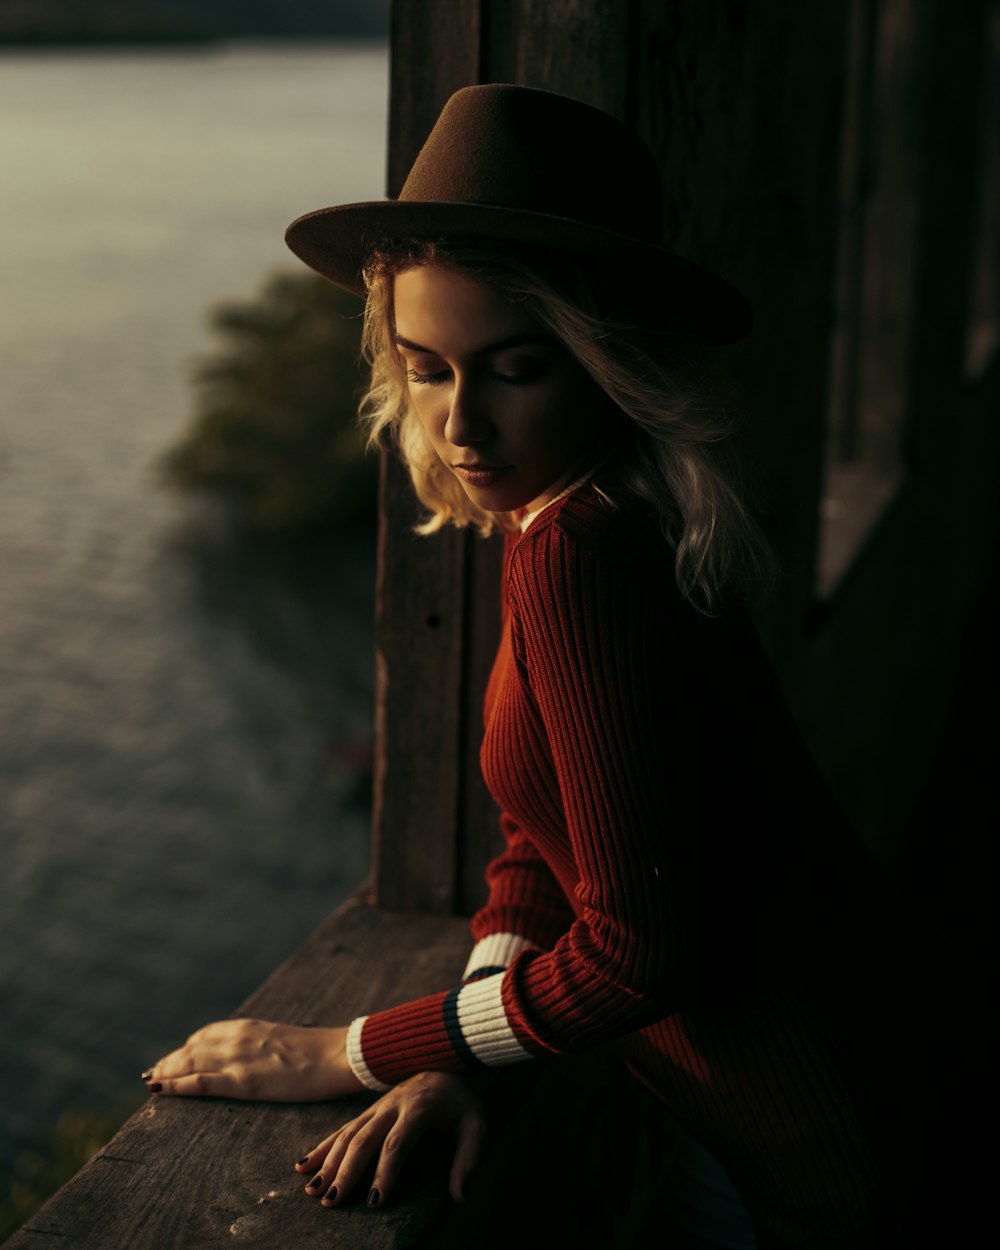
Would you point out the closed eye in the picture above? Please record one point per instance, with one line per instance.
(519, 377)
(435, 379)
(522, 376)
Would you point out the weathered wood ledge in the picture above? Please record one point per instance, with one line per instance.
(576, 1154)
(212, 1173)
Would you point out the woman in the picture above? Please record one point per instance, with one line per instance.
(676, 878)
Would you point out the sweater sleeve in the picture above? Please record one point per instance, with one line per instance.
(598, 649)
(591, 637)
(526, 908)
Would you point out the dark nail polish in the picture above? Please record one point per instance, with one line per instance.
(155, 1087)
(315, 1183)
(331, 1194)
(300, 1162)
(374, 1198)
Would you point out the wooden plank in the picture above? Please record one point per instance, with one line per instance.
(213, 1173)
(478, 815)
(742, 107)
(883, 672)
(890, 226)
(957, 135)
(435, 51)
(419, 625)
(580, 48)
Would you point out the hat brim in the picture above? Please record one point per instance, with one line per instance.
(337, 242)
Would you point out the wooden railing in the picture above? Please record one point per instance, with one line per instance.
(574, 1157)
(206, 1173)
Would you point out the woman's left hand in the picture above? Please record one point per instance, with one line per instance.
(385, 1133)
(259, 1061)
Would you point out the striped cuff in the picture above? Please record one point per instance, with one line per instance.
(356, 1058)
(495, 953)
(478, 1027)
(452, 1031)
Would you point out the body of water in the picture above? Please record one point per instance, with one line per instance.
(182, 724)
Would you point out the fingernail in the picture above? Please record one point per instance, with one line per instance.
(374, 1198)
(300, 1162)
(315, 1183)
(331, 1194)
(155, 1087)
(146, 1076)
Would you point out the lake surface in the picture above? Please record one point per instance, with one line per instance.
(183, 724)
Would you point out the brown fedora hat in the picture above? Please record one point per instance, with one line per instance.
(509, 164)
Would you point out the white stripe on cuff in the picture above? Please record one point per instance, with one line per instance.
(484, 1026)
(497, 950)
(356, 1058)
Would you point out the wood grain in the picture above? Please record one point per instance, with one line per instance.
(742, 108)
(577, 47)
(419, 622)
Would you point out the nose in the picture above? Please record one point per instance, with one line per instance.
(468, 421)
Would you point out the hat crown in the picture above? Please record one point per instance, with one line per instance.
(512, 166)
(520, 148)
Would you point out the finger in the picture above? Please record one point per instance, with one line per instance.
(205, 1049)
(399, 1143)
(198, 1085)
(319, 1184)
(339, 1185)
(155, 1070)
(177, 1063)
(468, 1152)
(327, 1156)
(313, 1158)
(360, 1152)
(329, 1164)
(318, 1159)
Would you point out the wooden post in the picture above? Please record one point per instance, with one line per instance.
(742, 106)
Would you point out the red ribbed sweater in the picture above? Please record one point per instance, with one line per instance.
(677, 880)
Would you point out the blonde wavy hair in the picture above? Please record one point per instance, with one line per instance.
(669, 451)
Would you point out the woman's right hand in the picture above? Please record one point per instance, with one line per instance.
(387, 1131)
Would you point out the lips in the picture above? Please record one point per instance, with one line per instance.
(481, 474)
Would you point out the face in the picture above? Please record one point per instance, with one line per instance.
(505, 406)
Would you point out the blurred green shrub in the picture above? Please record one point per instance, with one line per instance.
(76, 1138)
(274, 430)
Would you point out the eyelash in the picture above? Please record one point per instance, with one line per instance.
(422, 378)
(436, 379)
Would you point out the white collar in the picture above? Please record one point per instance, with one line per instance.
(529, 517)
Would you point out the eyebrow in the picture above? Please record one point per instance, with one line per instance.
(513, 340)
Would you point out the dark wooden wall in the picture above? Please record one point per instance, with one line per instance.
(744, 106)
(901, 653)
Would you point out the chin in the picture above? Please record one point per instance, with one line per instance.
(505, 501)
(500, 497)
